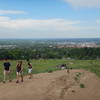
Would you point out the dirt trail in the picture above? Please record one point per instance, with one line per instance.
(58, 85)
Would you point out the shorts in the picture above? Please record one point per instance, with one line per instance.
(6, 69)
(30, 70)
(6, 72)
(62, 68)
(19, 73)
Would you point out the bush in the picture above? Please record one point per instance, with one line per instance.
(50, 71)
(82, 85)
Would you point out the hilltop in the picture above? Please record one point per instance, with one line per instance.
(58, 85)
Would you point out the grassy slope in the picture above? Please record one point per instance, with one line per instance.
(48, 65)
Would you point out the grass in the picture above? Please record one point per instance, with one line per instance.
(77, 77)
(82, 85)
(49, 65)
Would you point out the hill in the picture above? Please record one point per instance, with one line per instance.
(58, 85)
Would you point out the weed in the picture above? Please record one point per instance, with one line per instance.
(82, 85)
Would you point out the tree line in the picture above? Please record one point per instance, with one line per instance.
(50, 53)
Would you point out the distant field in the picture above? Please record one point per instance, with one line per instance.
(41, 66)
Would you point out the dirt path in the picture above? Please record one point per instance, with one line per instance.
(58, 85)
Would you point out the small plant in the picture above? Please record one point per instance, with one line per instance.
(82, 85)
(78, 74)
(73, 91)
(50, 71)
(76, 79)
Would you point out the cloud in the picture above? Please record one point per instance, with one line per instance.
(97, 21)
(4, 18)
(49, 28)
(36, 28)
(49, 24)
(84, 3)
(4, 12)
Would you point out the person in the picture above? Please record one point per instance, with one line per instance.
(19, 71)
(63, 66)
(6, 70)
(30, 70)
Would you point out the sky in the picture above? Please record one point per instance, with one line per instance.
(49, 18)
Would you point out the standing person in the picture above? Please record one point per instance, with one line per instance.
(6, 70)
(30, 70)
(19, 71)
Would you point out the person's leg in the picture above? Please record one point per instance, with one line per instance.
(21, 74)
(17, 73)
(30, 73)
(30, 76)
(4, 79)
(9, 76)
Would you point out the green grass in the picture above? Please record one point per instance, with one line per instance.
(41, 66)
(82, 85)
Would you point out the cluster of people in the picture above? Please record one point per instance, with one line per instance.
(64, 66)
(19, 71)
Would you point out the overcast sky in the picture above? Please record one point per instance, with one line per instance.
(49, 18)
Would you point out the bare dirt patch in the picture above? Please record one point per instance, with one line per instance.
(58, 85)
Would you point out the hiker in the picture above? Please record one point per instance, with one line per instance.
(19, 71)
(30, 70)
(63, 66)
(6, 70)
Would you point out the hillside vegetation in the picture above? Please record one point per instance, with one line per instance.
(49, 65)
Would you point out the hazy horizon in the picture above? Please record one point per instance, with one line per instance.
(53, 38)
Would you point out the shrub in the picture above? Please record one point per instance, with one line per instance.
(82, 85)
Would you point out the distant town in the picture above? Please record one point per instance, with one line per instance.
(77, 45)
(51, 43)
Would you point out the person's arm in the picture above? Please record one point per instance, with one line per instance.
(31, 65)
(3, 64)
(9, 67)
(21, 68)
(9, 64)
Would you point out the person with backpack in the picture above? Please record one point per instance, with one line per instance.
(30, 70)
(19, 71)
(6, 70)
